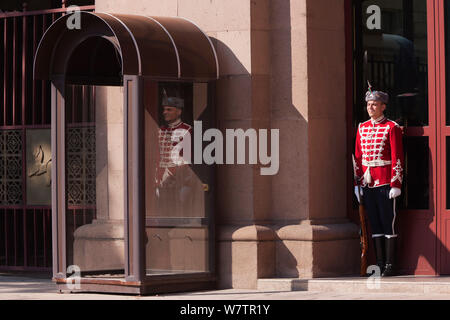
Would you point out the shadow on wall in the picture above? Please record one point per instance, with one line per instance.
(288, 189)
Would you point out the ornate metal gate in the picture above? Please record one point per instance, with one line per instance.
(25, 153)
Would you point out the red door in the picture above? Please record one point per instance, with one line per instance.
(418, 224)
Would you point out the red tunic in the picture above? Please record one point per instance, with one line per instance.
(169, 157)
(379, 153)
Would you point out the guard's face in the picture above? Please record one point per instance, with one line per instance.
(375, 109)
(171, 114)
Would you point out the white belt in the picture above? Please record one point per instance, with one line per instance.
(373, 163)
(376, 163)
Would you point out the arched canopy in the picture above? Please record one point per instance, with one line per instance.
(108, 46)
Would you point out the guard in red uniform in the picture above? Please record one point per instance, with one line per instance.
(170, 137)
(173, 174)
(379, 170)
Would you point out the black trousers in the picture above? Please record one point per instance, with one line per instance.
(380, 211)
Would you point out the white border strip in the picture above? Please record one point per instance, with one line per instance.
(393, 223)
(171, 39)
(210, 42)
(132, 37)
(42, 39)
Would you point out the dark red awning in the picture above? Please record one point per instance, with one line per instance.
(113, 45)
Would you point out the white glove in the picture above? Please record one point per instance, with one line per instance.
(394, 193)
(358, 194)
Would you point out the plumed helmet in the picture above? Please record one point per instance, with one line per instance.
(376, 95)
(172, 101)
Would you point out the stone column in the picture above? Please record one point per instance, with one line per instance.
(239, 30)
(314, 237)
(246, 247)
(100, 245)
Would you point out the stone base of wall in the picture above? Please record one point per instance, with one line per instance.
(245, 253)
(317, 250)
(306, 250)
(99, 246)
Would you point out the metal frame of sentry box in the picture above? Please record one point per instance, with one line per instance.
(197, 49)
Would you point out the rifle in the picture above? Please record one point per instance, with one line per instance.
(363, 240)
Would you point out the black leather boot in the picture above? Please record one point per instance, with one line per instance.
(390, 258)
(378, 243)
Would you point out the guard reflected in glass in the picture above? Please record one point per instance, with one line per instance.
(173, 173)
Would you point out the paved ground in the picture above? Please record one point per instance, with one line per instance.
(14, 287)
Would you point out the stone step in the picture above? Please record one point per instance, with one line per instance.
(400, 284)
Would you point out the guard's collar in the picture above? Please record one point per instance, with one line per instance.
(174, 124)
(378, 120)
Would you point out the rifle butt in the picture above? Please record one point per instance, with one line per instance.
(364, 241)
